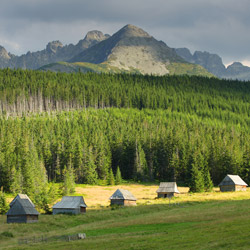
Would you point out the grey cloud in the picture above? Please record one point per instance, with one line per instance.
(219, 26)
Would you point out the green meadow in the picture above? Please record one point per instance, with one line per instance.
(191, 221)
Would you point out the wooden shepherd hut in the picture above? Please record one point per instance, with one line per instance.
(70, 205)
(167, 190)
(22, 210)
(232, 183)
(122, 197)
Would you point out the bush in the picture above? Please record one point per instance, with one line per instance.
(6, 234)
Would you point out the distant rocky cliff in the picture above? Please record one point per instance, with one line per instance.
(213, 63)
(54, 52)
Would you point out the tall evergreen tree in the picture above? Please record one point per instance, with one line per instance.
(208, 184)
(118, 176)
(196, 183)
(69, 180)
(111, 178)
(3, 203)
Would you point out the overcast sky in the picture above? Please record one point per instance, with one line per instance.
(216, 26)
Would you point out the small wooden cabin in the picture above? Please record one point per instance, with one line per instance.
(232, 183)
(70, 205)
(22, 210)
(167, 190)
(122, 197)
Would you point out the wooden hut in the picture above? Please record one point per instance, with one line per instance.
(70, 205)
(232, 183)
(122, 197)
(22, 210)
(167, 190)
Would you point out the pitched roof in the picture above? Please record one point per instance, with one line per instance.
(168, 187)
(232, 180)
(22, 205)
(70, 202)
(122, 194)
(21, 196)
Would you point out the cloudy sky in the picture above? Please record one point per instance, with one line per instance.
(216, 26)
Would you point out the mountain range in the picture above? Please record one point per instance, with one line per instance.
(131, 49)
(213, 63)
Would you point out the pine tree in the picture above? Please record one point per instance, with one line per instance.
(3, 203)
(140, 163)
(111, 178)
(196, 183)
(208, 184)
(118, 176)
(69, 180)
(89, 168)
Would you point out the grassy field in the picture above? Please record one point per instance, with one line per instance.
(191, 221)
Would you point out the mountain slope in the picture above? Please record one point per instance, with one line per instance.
(131, 48)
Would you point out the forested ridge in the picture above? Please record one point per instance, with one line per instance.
(57, 126)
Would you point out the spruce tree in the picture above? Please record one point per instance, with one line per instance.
(196, 183)
(89, 169)
(140, 162)
(3, 203)
(208, 184)
(111, 178)
(118, 176)
(69, 180)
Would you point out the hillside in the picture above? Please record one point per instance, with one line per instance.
(189, 222)
(173, 68)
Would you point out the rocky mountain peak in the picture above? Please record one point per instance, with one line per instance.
(185, 54)
(53, 46)
(235, 65)
(131, 48)
(93, 37)
(3, 53)
(96, 35)
(132, 31)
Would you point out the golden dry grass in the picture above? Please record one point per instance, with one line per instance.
(98, 196)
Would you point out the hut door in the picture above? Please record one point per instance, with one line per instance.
(83, 210)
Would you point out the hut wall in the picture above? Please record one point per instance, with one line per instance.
(240, 188)
(123, 202)
(165, 195)
(16, 218)
(129, 203)
(227, 188)
(31, 218)
(117, 202)
(66, 211)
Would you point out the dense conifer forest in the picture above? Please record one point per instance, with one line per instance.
(58, 127)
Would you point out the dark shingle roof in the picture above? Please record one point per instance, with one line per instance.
(168, 187)
(70, 202)
(22, 205)
(232, 180)
(122, 194)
